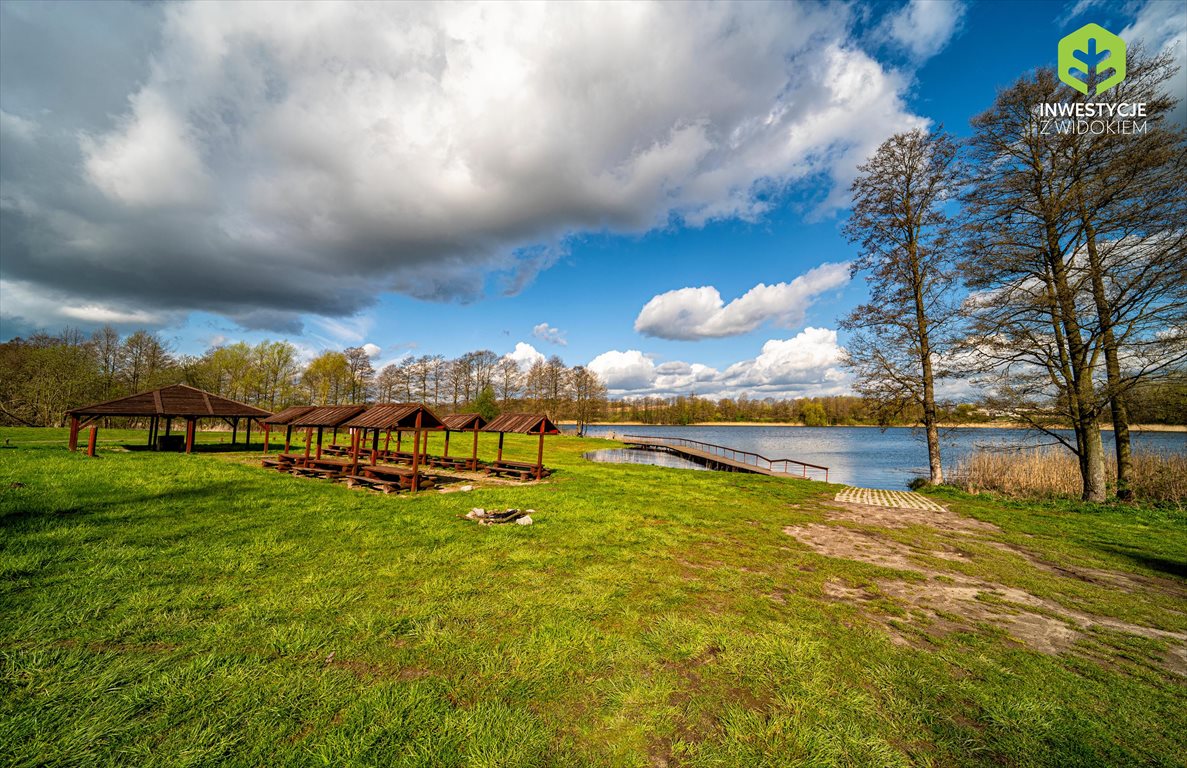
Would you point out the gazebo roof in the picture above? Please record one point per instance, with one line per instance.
(395, 416)
(288, 415)
(178, 400)
(522, 423)
(328, 416)
(463, 422)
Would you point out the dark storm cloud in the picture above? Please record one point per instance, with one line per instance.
(264, 161)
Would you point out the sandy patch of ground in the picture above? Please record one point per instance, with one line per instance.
(943, 601)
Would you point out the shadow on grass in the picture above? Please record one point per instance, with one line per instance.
(20, 516)
(1153, 562)
(200, 448)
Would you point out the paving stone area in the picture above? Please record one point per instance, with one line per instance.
(895, 499)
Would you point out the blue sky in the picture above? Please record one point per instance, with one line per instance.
(523, 178)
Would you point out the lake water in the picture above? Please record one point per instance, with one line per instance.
(862, 456)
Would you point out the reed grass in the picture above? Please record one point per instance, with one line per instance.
(1052, 473)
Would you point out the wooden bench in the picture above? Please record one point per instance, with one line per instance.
(393, 475)
(283, 461)
(517, 469)
(449, 463)
(331, 474)
(374, 483)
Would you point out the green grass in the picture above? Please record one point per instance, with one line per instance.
(172, 610)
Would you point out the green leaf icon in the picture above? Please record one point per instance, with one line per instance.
(1092, 54)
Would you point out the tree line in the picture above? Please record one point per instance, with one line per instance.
(45, 375)
(1049, 266)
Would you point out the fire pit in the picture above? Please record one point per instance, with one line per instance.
(500, 516)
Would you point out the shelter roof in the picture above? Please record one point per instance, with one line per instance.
(179, 400)
(328, 416)
(395, 416)
(458, 422)
(288, 415)
(522, 423)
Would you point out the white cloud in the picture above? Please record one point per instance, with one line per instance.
(154, 161)
(624, 371)
(28, 303)
(17, 127)
(807, 364)
(810, 357)
(335, 332)
(329, 152)
(1162, 27)
(525, 355)
(700, 313)
(924, 27)
(372, 350)
(545, 332)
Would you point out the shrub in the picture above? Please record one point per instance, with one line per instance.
(1047, 473)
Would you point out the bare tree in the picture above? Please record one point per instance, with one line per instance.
(1131, 203)
(1032, 333)
(588, 395)
(361, 374)
(387, 384)
(900, 223)
(508, 380)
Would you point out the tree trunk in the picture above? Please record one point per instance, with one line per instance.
(1095, 485)
(1112, 363)
(935, 467)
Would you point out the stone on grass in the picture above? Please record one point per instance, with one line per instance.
(525, 520)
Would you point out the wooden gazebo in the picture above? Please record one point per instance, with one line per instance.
(522, 424)
(464, 422)
(284, 419)
(178, 401)
(386, 417)
(323, 418)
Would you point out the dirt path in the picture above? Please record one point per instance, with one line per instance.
(946, 600)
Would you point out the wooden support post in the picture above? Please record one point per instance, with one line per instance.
(288, 437)
(73, 433)
(445, 452)
(356, 439)
(308, 437)
(500, 447)
(267, 434)
(191, 427)
(387, 441)
(94, 438)
(540, 453)
(399, 439)
(375, 447)
(334, 437)
(474, 458)
(416, 456)
(248, 441)
(168, 426)
(319, 431)
(152, 423)
(234, 429)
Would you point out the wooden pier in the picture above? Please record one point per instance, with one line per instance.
(726, 459)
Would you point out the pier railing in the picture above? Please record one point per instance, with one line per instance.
(751, 458)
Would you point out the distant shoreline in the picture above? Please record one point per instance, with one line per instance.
(997, 425)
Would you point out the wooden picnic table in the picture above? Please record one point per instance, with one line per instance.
(389, 478)
(449, 462)
(283, 461)
(518, 469)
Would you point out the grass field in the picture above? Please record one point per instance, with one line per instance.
(172, 610)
